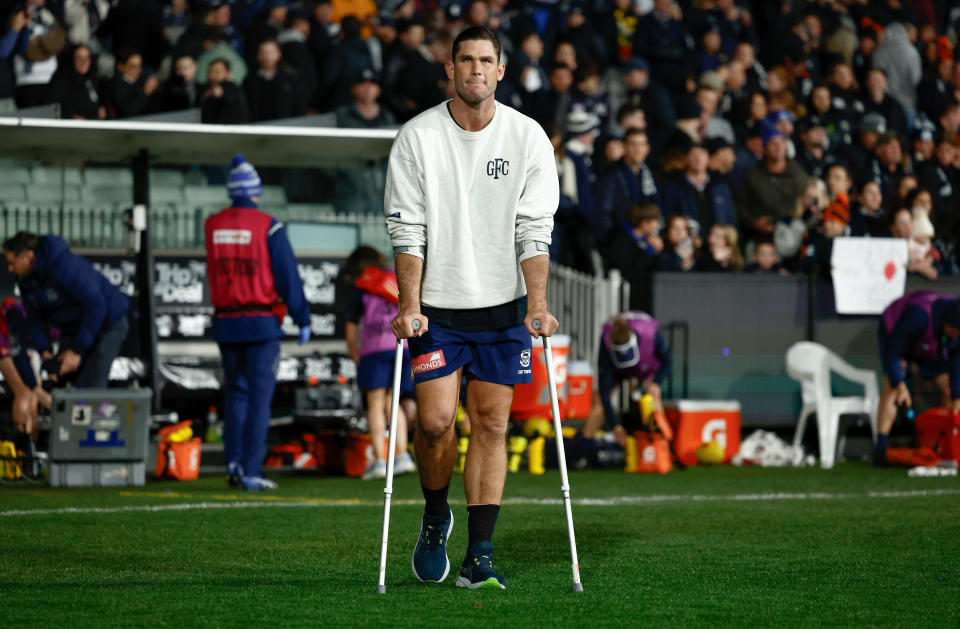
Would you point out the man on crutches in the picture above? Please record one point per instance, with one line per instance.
(470, 196)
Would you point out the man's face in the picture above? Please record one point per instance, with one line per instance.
(902, 225)
(890, 152)
(561, 79)
(20, 265)
(81, 60)
(708, 100)
(476, 71)
(871, 197)
(636, 148)
(697, 160)
(945, 153)
(723, 160)
(821, 99)
(815, 137)
(366, 92)
(413, 37)
(776, 148)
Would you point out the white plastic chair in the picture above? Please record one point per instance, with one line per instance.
(811, 364)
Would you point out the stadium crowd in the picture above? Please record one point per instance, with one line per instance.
(698, 135)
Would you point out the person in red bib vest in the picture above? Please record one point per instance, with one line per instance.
(921, 327)
(253, 283)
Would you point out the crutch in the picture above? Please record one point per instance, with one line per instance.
(388, 490)
(561, 458)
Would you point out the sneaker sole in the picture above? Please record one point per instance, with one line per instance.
(446, 570)
(489, 584)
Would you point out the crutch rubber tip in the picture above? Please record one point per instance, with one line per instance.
(577, 587)
(382, 589)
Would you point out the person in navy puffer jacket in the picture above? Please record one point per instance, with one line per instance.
(254, 282)
(62, 290)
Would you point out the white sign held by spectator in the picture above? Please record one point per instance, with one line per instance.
(868, 273)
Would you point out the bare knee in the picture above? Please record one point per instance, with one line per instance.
(435, 424)
(489, 421)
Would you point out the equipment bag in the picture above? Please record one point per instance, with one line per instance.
(653, 453)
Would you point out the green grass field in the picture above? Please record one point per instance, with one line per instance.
(706, 547)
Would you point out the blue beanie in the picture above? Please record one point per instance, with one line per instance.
(244, 181)
(768, 131)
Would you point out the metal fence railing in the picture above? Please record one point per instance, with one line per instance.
(582, 303)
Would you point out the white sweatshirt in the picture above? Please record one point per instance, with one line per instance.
(469, 196)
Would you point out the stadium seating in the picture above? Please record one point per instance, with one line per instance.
(812, 365)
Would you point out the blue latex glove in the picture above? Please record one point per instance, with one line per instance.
(304, 334)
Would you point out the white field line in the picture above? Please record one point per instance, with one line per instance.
(580, 502)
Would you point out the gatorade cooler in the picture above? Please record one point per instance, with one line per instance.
(579, 389)
(533, 400)
(939, 429)
(701, 421)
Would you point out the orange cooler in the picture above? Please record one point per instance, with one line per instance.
(700, 421)
(533, 400)
(579, 389)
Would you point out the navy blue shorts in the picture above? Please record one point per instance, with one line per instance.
(928, 369)
(501, 357)
(375, 371)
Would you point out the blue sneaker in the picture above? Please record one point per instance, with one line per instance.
(234, 474)
(430, 561)
(477, 571)
(258, 483)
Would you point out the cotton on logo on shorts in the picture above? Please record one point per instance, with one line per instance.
(428, 362)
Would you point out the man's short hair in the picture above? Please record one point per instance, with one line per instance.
(123, 56)
(645, 211)
(21, 242)
(632, 131)
(225, 63)
(627, 109)
(477, 33)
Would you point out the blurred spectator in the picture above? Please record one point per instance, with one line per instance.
(13, 25)
(323, 31)
(662, 39)
(714, 125)
(565, 53)
(899, 59)
(765, 259)
(222, 101)
(693, 193)
(679, 249)
(75, 88)
(181, 90)
(942, 179)
(652, 97)
(923, 145)
(845, 93)
(628, 182)
(176, 19)
(837, 126)
(579, 148)
(578, 30)
(867, 219)
(935, 92)
(214, 47)
(384, 35)
(838, 181)
(722, 252)
(297, 55)
(722, 159)
(859, 153)
(364, 11)
(590, 96)
(273, 92)
(878, 101)
(36, 61)
(812, 154)
(550, 106)
(886, 164)
(624, 21)
(423, 83)
(771, 188)
(403, 54)
(950, 119)
(789, 233)
(82, 18)
(365, 111)
(710, 44)
(782, 121)
(572, 241)
(756, 73)
(524, 70)
(128, 92)
(818, 246)
(636, 244)
(863, 55)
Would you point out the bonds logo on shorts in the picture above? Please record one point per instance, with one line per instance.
(428, 362)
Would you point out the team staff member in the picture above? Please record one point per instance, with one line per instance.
(16, 369)
(631, 349)
(253, 282)
(62, 290)
(922, 327)
(470, 196)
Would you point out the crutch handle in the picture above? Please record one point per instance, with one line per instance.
(415, 324)
(536, 324)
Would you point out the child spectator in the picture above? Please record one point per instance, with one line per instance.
(867, 218)
(679, 250)
(723, 250)
(819, 243)
(923, 254)
(636, 244)
(765, 259)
